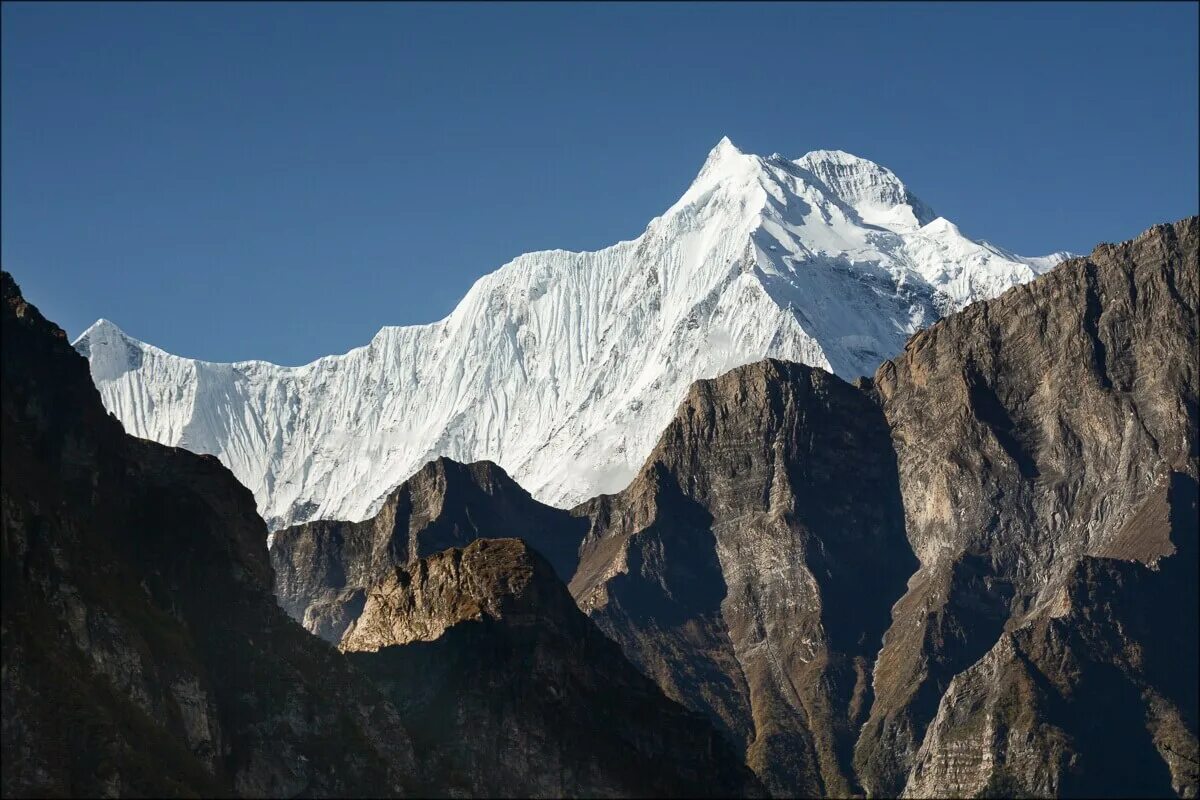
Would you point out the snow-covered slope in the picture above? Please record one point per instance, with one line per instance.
(564, 367)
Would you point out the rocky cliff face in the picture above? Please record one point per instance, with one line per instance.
(143, 652)
(751, 565)
(494, 644)
(1095, 694)
(1031, 431)
(323, 569)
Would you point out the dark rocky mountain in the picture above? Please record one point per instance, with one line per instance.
(1094, 694)
(323, 568)
(143, 652)
(549, 705)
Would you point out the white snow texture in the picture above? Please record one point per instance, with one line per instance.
(565, 367)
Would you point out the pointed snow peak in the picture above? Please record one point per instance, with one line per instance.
(723, 156)
(725, 147)
(110, 350)
(100, 327)
(726, 172)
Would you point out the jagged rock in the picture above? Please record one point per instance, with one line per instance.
(487, 640)
(143, 652)
(750, 567)
(323, 568)
(1030, 431)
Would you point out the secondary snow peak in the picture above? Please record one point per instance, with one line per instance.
(874, 191)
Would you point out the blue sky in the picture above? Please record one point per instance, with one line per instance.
(278, 181)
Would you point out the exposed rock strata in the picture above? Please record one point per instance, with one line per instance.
(1095, 695)
(998, 494)
(978, 501)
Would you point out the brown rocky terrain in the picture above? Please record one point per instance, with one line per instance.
(748, 566)
(1094, 695)
(924, 582)
(510, 690)
(323, 568)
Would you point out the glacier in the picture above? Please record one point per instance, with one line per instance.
(564, 367)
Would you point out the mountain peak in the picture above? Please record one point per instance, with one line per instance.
(725, 147)
(562, 367)
(100, 326)
(111, 351)
(724, 159)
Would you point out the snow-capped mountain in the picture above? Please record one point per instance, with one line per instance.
(564, 367)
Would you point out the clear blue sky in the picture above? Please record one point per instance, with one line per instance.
(232, 180)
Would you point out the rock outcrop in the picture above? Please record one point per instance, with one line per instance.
(494, 646)
(143, 652)
(323, 569)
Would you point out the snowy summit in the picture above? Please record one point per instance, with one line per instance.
(564, 367)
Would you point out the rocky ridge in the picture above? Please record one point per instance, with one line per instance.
(1094, 694)
(730, 570)
(1031, 431)
(143, 651)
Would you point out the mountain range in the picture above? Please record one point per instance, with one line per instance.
(564, 367)
(971, 573)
